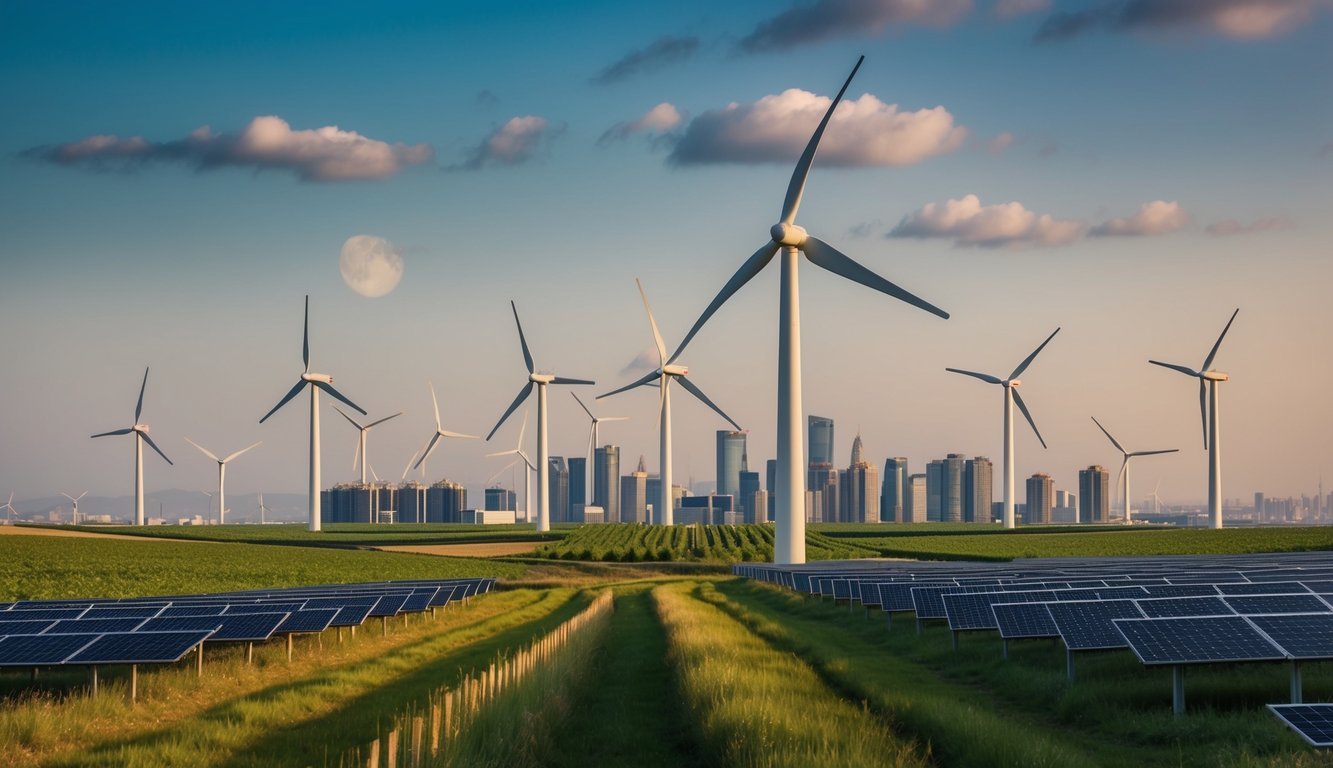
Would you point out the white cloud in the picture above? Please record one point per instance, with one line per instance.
(969, 223)
(775, 129)
(661, 51)
(833, 19)
(1227, 227)
(657, 122)
(1235, 19)
(647, 360)
(1000, 143)
(1156, 218)
(515, 142)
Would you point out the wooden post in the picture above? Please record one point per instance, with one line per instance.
(134, 683)
(249, 653)
(374, 760)
(289, 648)
(418, 725)
(435, 728)
(199, 669)
(94, 679)
(391, 751)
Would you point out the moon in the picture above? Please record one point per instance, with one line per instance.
(370, 265)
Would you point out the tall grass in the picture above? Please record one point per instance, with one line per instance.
(757, 706)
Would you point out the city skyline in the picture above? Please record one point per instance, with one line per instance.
(1185, 175)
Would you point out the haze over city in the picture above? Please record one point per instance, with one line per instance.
(179, 178)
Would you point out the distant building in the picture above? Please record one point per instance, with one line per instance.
(859, 488)
(1040, 493)
(411, 502)
(771, 468)
(731, 461)
(634, 495)
(501, 499)
(1259, 507)
(445, 502)
(915, 501)
(977, 491)
(893, 507)
(934, 490)
(823, 479)
(606, 481)
(821, 441)
(578, 483)
(712, 509)
(557, 488)
(745, 500)
(1094, 495)
(951, 492)
(759, 503)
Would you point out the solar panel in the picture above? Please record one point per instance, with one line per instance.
(1120, 593)
(25, 627)
(1259, 604)
(93, 626)
(418, 601)
(1314, 722)
(288, 607)
(1180, 590)
(139, 648)
(175, 611)
(389, 605)
(339, 602)
(40, 650)
(929, 601)
(299, 622)
(1197, 640)
(1302, 636)
(1086, 626)
(1017, 620)
(1168, 607)
(1267, 588)
(972, 610)
(447, 593)
(33, 614)
(351, 616)
(118, 612)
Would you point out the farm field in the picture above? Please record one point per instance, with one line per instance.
(338, 535)
(688, 543)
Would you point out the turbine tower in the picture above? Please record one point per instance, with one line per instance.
(222, 475)
(262, 508)
(1011, 396)
(592, 443)
(1124, 465)
(666, 373)
(140, 432)
(364, 430)
(439, 431)
(527, 473)
(316, 382)
(538, 380)
(792, 240)
(1208, 381)
(9, 508)
(74, 500)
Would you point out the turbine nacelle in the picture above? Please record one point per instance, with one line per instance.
(788, 234)
(321, 378)
(675, 369)
(1011, 383)
(541, 378)
(140, 428)
(1214, 376)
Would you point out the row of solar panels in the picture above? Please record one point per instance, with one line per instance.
(161, 630)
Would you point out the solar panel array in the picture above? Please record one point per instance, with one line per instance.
(1314, 722)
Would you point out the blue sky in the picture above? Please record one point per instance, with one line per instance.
(192, 255)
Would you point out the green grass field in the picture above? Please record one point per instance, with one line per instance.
(339, 535)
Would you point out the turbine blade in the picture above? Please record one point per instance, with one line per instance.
(1203, 409)
(526, 460)
(1153, 453)
(523, 429)
(293, 392)
(584, 407)
(408, 468)
(124, 431)
(647, 378)
(567, 380)
(305, 336)
(796, 187)
(1023, 407)
(203, 450)
(522, 395)
(510, 452)
(153, 445)
(435, 403)
(353, 421)
(614, 418)
(986, 377)
(381, 421)
(1023, 366)
(1174, 367)
(824, 255)
(1208, 362)
(1114, 442)
(657, 336)
(340, 396)
(447, 433)
(138, 409)
(430, 448)
(1121, 476)
(356, 455)
(693, 389)
(527, 356)
(748, 270)
(256, 445)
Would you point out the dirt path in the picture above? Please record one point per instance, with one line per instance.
(480, 549)
(24, 530)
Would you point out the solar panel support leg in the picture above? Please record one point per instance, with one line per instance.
(134, 683)
(888, 619)
(1004, 652)
(249, 653)
(954, 635)
(1069, 665)
(94, 679)
(289, 648)
(34, 674)
(340, 635)
(199, 666)
(1177, 690)
(919, 628)
(1296, 697)
(384, 625)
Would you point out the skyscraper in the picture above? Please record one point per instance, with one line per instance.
(731, 460)
(771, 468)
(745, 501)
(951, 491)
(557, 484)
(606, 481)
(1094, 499)
(821, 440)
(934, 489)
(823, 479)
(445, 502)
(578, 485)
(915, 502)
(634, 495)
(859, 488)
(503, 499)
(1041, 490)
(977, 493)
(893, 496)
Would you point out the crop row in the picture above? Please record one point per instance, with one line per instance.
(660, 543)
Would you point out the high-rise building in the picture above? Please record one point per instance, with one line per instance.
(934, 490)
(712, 509)
(634, 495)
(1259, 507)
(606, 481)
(1094, 485)
(821, 440)
(759, 506)
(501, 499)
(771, 467)
(915, 503)
(1041, 490)
(745, 501)
(578, 484)
(411, 501)
(977, 493)
(893, 495)
(951, 492)
(445, 502)
(859, 488)
(731, 460)
(557, 486)
(823, 478)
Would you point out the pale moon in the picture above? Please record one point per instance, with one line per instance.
(370, 265)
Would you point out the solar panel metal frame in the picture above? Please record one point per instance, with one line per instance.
(52, 614)
(182, 611)
(1258, 605)
(1300, 718)
(138, 648)
(122, 612)
(418, 601)
(93, 626)
(32, 627)
(1263, 588)
(1182, 607)
(233, 628)
(1015, 620)
(351, 616)
(1138, 635)
(971, 611)
(388, 606)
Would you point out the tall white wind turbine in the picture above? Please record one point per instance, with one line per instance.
(792, 240)
(538, 380)
(73, 500)
(316, 382)
(1208, 381)
(592, 443)
(1124, 464)
(527, 473)
(1011, 396)
(364, 431)
(666, 372)
(262, 509)
(140, 432)
(9, 508)
(439, 431)
(222, 475)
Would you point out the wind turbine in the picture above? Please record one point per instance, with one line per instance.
(527, 473)
(493, 477)
(1124, 465)
(208, 512)
(592, 442)
(1156, 500)
(364, 429)
(262, 508)
(9, 507)
(140, 432)
(439, 430)
(74, 519)
(1208, 381)
(666, 373)
(786, 236)
(538, 380)
(222, 475)
(1011, 396)
(316, 381)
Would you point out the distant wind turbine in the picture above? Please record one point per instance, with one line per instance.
(316, 382)
(792, 240)
(1011, 396)
(1157, 500)
(666, 373)
(1124, 464)
(538, 380)
(74, 500)
(592, 443)
(364, 431)
(527, 473)
(9, 508)
(222, 475)
(208, 512)
(1208, 381)
(140, 432)
(262, 508)
(439, 430)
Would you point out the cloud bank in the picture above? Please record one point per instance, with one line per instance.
(657, 122)
(1229, 227)
(969, 223)
(1156, 218)
(836, 19)
(775, 129)
(662, 51)
(514, 143)
(1234, 19)
(267, 143)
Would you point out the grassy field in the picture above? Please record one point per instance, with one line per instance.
(343, 535)
(688, 543)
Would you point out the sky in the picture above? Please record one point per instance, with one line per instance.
(177, 177)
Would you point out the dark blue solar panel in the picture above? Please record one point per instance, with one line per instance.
(34, 614)
(351, 616)
(1197, 640)
(447, 593)
(389, 605)
(25, 627)
(339, 602)
(1257, 604)
(1318, 586)
(1167, 607)
(176, 611)
(929, 600)
(300, 622)
(139, 648)
(1120, 593)
(118, 612)
(1302, 636)
(972, 610)
(1086, 626)
(93, 626)
(1314, 722)
(1180, 590)
(264, 607)
(1273, 588)
(1016, 620)
(40, 650)
(188, 623)
(418, 601)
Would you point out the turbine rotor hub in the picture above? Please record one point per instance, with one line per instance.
(541, 378)
(1214, 376)
(317, 377)
(788, 234)
(1013, 383)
